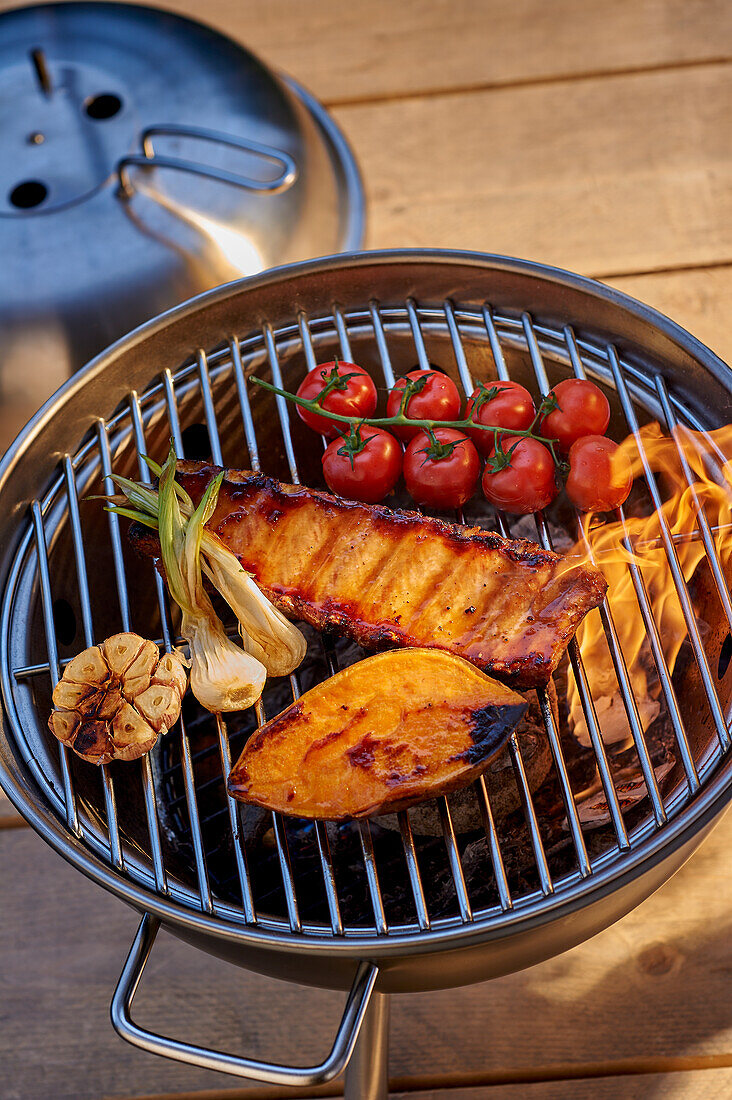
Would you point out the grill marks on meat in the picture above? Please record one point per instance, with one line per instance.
(397, 578)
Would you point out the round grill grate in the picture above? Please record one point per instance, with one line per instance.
(511, 846)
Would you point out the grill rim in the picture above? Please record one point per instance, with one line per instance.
(654, 850)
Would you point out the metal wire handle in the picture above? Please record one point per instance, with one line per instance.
(150, 159)
(267, 1072)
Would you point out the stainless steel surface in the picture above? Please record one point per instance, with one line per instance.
(479, 316)
(353, 1018)
(270, 156)
(266, 177)
(367, 1075)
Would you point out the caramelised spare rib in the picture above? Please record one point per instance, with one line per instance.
(397, 578)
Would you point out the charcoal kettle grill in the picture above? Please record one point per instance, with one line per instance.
(377, 907)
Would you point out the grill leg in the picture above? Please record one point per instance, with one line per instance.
(367, 1073)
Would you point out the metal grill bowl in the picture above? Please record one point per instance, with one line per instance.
(400, 907)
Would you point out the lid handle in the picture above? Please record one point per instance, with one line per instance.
(150, 159)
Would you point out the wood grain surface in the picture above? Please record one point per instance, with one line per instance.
(376, 49)
(590, 136)
(550, 172)
(647, 994)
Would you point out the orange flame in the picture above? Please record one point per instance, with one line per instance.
(614, 547)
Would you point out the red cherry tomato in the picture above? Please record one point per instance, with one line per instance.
(437, 398)
(528, 484)
(442, 475)
(350, 392)
(600, 475)
(509, 405)
(363, 466)
(582, 409)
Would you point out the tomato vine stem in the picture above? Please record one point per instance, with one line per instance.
(401, 420)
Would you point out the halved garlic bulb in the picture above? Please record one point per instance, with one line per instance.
(115, 699)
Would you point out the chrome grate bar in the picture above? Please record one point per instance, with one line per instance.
(578, 671)
(204, 891)
(489, 826)
(246, 414)
(342, 330)
(321, 835)
(537, 844)
(148, 787)
(110, 804)
(364, 829)
(519, 769)
(671, 555)
(575, 655)
(209, 411)
(72, 819)
(415, 879)
(283, 850)
(456, 867)
(372, 877)
(422, 359)
(664, 674)
(242, 870)
(282, 410)
(448, 832)
(331, 891)
(496, 349)
(381, 344)
(703, 523)
(306, 340)
(246, 411)
(240, 859)
(646, 613)
(171, 407)
(280, 834)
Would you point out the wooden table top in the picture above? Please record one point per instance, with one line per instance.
(594, 137)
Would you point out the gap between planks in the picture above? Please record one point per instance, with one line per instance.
(523, 82)
(629, 1067)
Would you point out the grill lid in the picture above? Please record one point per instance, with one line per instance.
(145, 157)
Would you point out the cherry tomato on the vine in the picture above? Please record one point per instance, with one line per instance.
(581, 409)
(600, 475)
(441, 472)
(434, 396)
(365, 465)
(349, 391)
(502, 404)
(526, 485)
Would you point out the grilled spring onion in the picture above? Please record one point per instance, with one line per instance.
(223, 677)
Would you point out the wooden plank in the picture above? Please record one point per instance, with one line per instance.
(699, 300)
(9, 816)
(603, 176)
(714, 1084)
(373, 49)
(652, 987)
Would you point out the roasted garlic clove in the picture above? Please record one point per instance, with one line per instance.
(114, 700)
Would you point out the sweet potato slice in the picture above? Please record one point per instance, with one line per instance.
(382, 735)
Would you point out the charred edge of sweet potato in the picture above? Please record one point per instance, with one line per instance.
(492, 725)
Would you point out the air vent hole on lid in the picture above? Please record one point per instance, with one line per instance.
(28, 194)
(103, 106)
